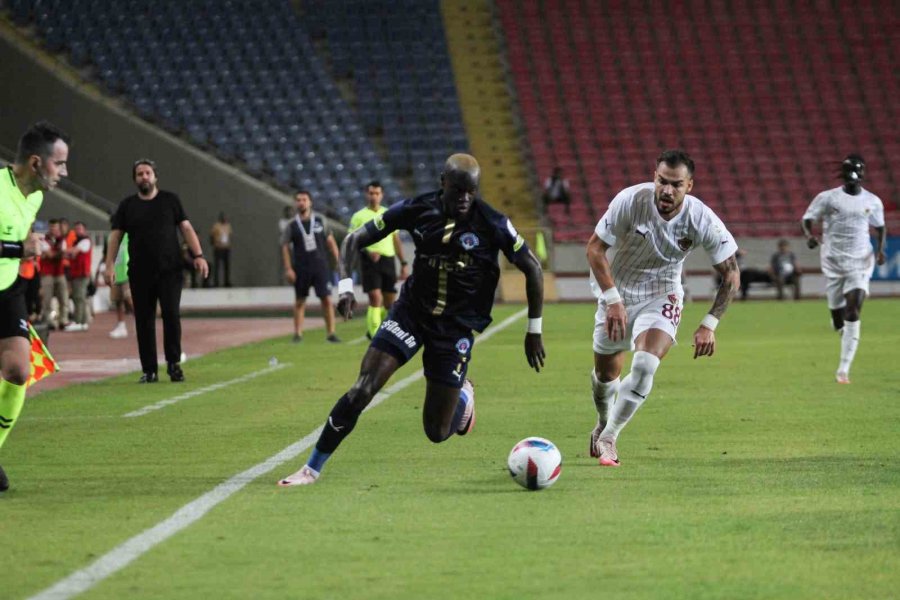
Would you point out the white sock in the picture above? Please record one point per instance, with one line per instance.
(633, 391)
(604, 397)
(849, 342)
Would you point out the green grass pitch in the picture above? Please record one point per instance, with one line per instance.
(750, 475)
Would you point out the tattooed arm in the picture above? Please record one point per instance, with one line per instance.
(705, 337)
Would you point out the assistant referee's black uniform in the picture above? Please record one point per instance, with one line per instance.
(154, 272)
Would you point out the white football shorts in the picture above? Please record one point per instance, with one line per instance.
(662, 312)
(836, 287)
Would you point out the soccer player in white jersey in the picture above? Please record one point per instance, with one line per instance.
(846, 213)
(653, 227)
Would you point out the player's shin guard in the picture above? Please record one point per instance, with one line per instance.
(12, 397)
(633, 390)
(849, 342)
(340, 423)
(604, 397)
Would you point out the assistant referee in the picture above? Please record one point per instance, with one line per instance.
(377, 265)
(152, 219)
(39, 165)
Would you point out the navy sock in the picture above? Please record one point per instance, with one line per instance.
(317, 460)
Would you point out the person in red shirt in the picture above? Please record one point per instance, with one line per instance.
(53, 276)
(79, 255)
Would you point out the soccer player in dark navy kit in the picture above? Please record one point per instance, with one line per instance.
(448, 297)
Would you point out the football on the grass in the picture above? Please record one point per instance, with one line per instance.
(535, 463)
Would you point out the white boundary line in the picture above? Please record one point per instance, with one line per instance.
(121, 556)
(210, 388)
(358, 340)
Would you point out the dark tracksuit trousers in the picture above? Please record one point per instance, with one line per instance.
(146, 290)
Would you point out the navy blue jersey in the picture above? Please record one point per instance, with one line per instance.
(455, 272)
(304, 259)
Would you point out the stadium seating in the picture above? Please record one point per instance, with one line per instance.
(396, 53)
(240, 79)
(767, 97)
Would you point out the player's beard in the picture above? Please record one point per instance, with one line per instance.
(666, 205)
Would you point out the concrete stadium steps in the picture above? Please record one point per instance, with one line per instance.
(487, 108)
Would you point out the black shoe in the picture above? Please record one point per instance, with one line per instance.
(175, 372)
(333, 339)
(149, 378)
(297, 338)
(4, 480)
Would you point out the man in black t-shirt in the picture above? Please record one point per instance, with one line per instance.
(152, 219)
(305, 244)
(448, 297)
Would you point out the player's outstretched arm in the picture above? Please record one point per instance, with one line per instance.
(705, 337)
(528, 263)
(360, 238)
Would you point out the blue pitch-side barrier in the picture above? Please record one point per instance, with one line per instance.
(890, 270)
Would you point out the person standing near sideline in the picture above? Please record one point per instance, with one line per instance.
(303, 246)
(848, 261)
(53, 275)
(79, 255)
(377, 266)
(152, 219)
(39, 165)
(653, 226)
(220, 238)
(119, 290)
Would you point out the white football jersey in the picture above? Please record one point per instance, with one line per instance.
(650, 251)
(846, 248)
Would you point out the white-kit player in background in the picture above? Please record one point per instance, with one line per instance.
(846, 213)
(653, 227)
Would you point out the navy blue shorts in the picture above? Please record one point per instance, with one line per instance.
(447, 344)
(319, 279)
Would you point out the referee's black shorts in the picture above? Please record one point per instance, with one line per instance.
(381, 275)
(13, 314)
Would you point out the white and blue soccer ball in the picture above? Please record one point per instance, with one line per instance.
(535, 463)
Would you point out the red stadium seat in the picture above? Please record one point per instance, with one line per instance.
(766, 119)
